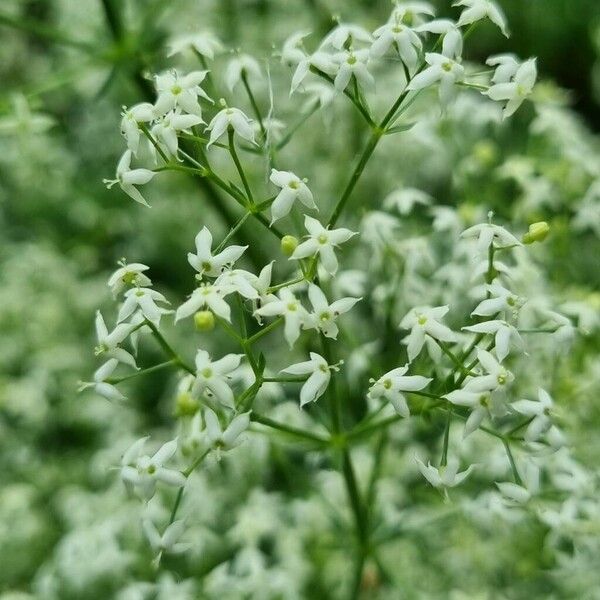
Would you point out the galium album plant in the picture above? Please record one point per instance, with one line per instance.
(409, 315)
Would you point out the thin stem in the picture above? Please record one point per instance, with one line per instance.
(232, 232)
(288, 429)
(254, 338)
(444, 459)
(167, 349)
(275, 288)
(158, 367)
(238, 165)
(298, 379)
(254, 105)
(283, 142)
(513, 464)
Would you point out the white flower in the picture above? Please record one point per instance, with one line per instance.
(404, 200)
(480, 9)
(242, 64)
(495, 377)
(166, 129)
(503, 333)
(128, 274)
(292, 188)
(411, 13)
(230, 117)
(424, 321)
(392, 384)
(501, 300)
(404, 40)
(175, 91)
(292, 52)
(229, 438)
(320, 374)
(443, 69)
(290, 309)
(23, 122)
(353, 63)
(208, 264)
(100, 386)
(522, 493)
(145, 299)
(214, 376)
(452, 43)
(128, 178)
(168, 542)
(322, 241)
(540, 411)
(320, 60)
(206, 295)
(142, 471)
(108, 343)
(517, 90)
(488, 234)
(239, 281)
(506, 67)
(481, 404)
(324, 314)
(139, 113)
(345, 32)
(444, 477)
(205, 43)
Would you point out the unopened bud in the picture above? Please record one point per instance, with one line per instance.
(288, 244)
(538, 232)
(204, 320)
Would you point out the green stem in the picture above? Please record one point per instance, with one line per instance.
(160, 366)
(167, 349)
(238, 165)
(288, 429)
(255, 108)
(254, 338)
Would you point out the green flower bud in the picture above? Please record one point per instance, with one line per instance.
(288, 244)
(538, 232)
(204, 320)
(186, 405)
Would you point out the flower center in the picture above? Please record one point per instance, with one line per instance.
(206, 373)
(387, 384)
(323, 368)
(421, 319)
(293, 184)
(447, 66)
(129, 278)
(292, 306)
(325, 316)
(176, 90)
(206, 266)
(502, 378)
(140, 293)
(151, 469)
(351, 60)
(484, 400)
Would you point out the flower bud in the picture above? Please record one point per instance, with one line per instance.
(186, 405)
(538, 232)
(204, 320)
(288, 244)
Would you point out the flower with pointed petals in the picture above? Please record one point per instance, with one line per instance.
(131, 274)
(411, 13)
(139, 113)
(144, 299)
(353, 63)
(239, 281)
(99, 383)
(206, 295)
(205, 43)
(176, 91)
(424, 321)
(290, 308)
(500, 300)
(488, 234)
(503, 333)
(530, 485)
(345, 32)
(405, 199)
(401, 38)
(482, 404)
(292, 188)
(214, 376)
(229, 438)
(516, 91)
(480, 9)
(540, 411)
(292, 52)
(167, 127)
(239, 66)
(128, 178)
(324, 315)
(447, 71)
(452, 42)
(392, 385)
(109, 343)
(322, 241)
(168, 542)
(142, 472)
(444, 477)
(319, 376)
(323, 61)
(234, 118)
(495, 377)
(506, 66)
(208, 264)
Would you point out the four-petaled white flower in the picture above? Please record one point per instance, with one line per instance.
(131, 274)
(205, 43)
(166, 129)
(319, 375)
(404, 200)
(292, 51)
(99, 383)
(131, 117)
(480, 9)
(322, 61)
(234, 118)
(444, 477)
(506, 65)
(488, 234)
(496, 376)
(206, 295)
(324, 315)
(344, 32)
(239, 281)
(226, 439)
(424, 321)
(168, 542)
(108, 343)
(452, 42)
(290, 308)
(142, 472)
(322, 241)
(516, 91)
(540, 413)
(404, 40)
(128, 178)
(292, 188)
(443, 69)
(529, 486)
(144, 299)
(501, 300)
(208, 264)
(242, 65)
(391, 385)
(176, 91)
(503, 332)
(353, 63)
(481, 404)
(214, 376)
